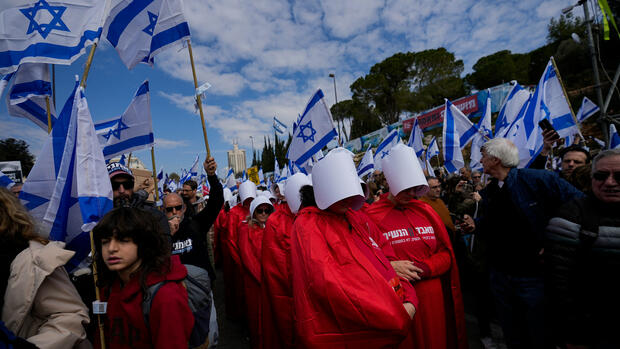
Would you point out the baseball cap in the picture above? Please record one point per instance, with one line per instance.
(116, 168)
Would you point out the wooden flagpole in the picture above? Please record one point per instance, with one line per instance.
(198, 99)
(156, 195)
(89, 61)
(49, 114)
(97, 291)
(128, 160)
(557, 72)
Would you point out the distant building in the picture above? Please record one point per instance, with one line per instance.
(236, 158)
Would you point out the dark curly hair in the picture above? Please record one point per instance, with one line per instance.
(145, 231)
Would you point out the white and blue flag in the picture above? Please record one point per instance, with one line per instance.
(231, 182)
(314, 130)
(132, 131)
(5, 81)
(284, 174)
(457, 131)
(279, 126)
(432, 149)
(384, 147)
(513, 106)
(261, 176)
(276, 170)
(614, 137)
(47, 31)
(122, 160)
(484, 125)
(5, 181)
(415, 139)
(193, 171)
(68, 189)
(367, 164)
(139, 30)
(27, 95)
(587, 109)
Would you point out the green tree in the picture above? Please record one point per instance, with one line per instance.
(499, 67)
(12, 149)
(267, 156)
(363, 120)
(563, 27)
(255, 159)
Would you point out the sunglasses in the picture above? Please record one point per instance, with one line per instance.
(171, 208)
(263, 210)
(127, 185)
(603, 175)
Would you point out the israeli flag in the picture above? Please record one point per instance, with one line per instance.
(27, 96)
(278, 125)
(261, 176)
(284, 174)
(513, 106)
(429, 168)
(587, 109)
(231, 183)
(5, 81)
(614, 138)
(432, 149)
(193, 171)
(457, 130)
(5, 181)
(276, 170)
(47, 31)
(367, 164)
(132, 131)
(547, 102)
(314, 130)
(139, 30)
(415, 139)
(160, 182)
(173, 186)
(68, 189)
(384, 148)
(484, 125)
(244, 176)
(122, 160)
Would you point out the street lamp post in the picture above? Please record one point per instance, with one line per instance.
(341, 127)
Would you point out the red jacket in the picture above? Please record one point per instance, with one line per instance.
(277, 289)
(171, 319)
(342, 299)
(231, 263)
(219, 231)
(250, 240)
(439, 264)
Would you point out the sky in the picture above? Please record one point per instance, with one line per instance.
(267, 58)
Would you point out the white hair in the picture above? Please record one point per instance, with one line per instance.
(604, 154)
(504, 150)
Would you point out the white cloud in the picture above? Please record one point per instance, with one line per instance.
(169, 143)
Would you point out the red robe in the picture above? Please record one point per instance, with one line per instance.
(219, 230)
(345, 290)
(250, 240)
(231, 263)
(418, 234)
(170, 319)
(277, 289)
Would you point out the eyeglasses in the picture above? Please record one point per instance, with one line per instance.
(171, 208)
(127, 185)
(263, 210)
(475, 176)
(603, 175)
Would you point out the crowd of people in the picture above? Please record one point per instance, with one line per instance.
(329, 260)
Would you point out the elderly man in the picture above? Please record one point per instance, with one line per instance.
(189, 234)
(516, 206)
(583, 261)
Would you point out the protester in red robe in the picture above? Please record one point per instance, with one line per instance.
(423, 250)
(220, 225)
(346, 293)
(233, 269)
(250, 240)
(277, 290)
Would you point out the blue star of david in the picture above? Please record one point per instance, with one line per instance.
(384, 153)
(302, 133)
(116, 132)
(44, 29)
(152, 21)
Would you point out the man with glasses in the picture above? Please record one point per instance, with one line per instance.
(583, 261)
(192, 202)
(189, 234)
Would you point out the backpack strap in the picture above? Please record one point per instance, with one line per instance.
(151, 291)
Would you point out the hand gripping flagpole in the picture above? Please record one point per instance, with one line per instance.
(198, 99)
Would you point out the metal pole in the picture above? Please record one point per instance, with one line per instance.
(333, 76)
(198, 99)
(597, 80)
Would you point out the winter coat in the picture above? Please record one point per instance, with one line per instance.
(170, 318)
(41, 304)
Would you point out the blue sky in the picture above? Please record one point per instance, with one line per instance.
(266, 58)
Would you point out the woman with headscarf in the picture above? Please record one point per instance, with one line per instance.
(424, 252)
(250, 240)
(346, 293)
(277, 291)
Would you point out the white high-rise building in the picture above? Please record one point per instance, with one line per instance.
(236, 158)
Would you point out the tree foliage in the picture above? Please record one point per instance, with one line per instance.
(563, 27)
(363, 119)
(499, 67)
(274, 151)
(12, 149)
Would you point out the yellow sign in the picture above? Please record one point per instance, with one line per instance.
(253, 174)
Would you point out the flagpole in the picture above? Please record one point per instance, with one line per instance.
(89, 61)
(572, 113)
(198, 99)
(97, 292)
(54, 84)
(154, 175)
(49, 114)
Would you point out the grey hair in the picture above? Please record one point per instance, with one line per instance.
(603, 154)
(504, 150)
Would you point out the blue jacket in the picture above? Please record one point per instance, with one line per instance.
(538, 193)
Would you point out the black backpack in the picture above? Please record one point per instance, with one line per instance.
(198, 286)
